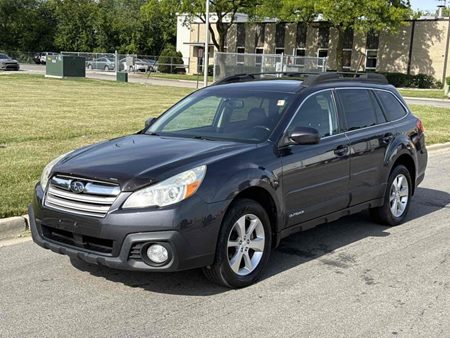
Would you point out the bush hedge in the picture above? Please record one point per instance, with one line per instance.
(412, 81)
(171, 61)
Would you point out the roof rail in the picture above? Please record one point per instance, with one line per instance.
(245, 77)
(309, 78)
(343, 76)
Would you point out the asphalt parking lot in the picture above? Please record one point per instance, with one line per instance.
(346, 278)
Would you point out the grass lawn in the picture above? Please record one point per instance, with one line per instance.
(436, 122)
(43, 118)
(426, 93)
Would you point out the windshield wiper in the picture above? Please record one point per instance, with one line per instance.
(198, 137)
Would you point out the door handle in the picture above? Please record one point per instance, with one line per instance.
(387, 138)
(341, 150)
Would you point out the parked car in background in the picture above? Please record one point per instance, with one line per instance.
(102, 63)
(140, 65)
(43, 57)
(7, 63)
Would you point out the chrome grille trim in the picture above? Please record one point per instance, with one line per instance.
(95, 200)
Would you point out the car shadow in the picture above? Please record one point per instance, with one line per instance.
(294, 250)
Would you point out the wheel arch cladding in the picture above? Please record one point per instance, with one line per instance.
(265, 199)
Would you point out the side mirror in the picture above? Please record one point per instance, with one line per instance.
(150, 121)
(304, 135)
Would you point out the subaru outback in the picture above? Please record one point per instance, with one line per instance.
(226, 173)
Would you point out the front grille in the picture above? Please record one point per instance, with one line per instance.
(100, 245)
(135, 251)
(94, 199)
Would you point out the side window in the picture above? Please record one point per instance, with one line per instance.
(378, 111)
(317, 112)
(358, 108)
(200, 114)
(392, 107)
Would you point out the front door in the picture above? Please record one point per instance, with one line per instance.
(315, 177)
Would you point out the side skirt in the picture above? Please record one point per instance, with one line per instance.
(327, 218)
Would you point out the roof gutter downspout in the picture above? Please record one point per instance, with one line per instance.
(444, 75)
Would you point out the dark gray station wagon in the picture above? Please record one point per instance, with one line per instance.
(221, 177)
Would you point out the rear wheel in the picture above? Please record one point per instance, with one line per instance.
(397, 198)
(244, 246)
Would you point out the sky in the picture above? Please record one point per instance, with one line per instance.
(426, 4)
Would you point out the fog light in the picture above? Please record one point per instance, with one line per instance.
(157, 253)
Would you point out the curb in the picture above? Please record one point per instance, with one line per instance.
(439, 146)
(13, 226)
(426, 99)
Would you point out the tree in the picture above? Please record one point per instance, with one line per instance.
(26, 25)
(359, 15)
(225, 10)
(76, 25)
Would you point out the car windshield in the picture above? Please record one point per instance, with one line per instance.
(225, 114)
(4, 56)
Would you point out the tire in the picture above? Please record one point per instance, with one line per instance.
(395, 195)
(250, 253)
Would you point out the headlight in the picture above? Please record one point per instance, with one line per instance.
(48, 168)
(170, 191)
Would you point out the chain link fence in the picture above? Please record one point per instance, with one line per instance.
(107, 62)
(227, 64)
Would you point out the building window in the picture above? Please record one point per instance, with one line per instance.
(373, 40)
(347, 59)
(240, 59)
(260, 35)
(300, 57)
(372, 59)
(279, 51)
(301, 35)
(324, 36)
(322, 53)
(227, 28)
(348, 38)
(280, 30)
(258, 59)
(240, 38)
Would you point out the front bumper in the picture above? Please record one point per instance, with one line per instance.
(190, 232)
(9, 66)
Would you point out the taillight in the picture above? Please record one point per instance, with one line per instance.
(420, 127)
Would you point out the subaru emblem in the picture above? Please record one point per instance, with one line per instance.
(77, 187)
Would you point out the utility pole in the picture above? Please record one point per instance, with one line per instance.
(206, 54)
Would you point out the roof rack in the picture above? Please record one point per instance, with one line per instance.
(344, 76)
(245, 77)
(308, 78)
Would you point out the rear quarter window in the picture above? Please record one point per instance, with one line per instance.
(393, 109)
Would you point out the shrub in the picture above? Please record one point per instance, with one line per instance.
(447, 80)
(412, 81)
(171, 61)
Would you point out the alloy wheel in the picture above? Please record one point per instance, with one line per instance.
(246, 244)
(399, 195)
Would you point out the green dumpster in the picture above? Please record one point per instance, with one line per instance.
(61, 66)
(122, 77)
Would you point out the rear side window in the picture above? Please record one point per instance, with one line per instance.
(392, 107)
(358, 108)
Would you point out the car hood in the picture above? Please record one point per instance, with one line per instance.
(8, 61)
(137, 160)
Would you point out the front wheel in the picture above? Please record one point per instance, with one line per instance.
(244, 246)
(397, 198)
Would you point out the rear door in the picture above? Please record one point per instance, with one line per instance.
(369, 138)
(315, 177)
